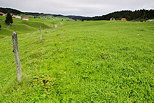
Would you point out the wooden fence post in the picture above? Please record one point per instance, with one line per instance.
(16, 54)
(55, 25)
(61, 23)
(40, 32)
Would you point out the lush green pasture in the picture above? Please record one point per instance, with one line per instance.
(22, 26)
(81, 62)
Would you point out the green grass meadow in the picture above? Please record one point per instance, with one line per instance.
(79, 62)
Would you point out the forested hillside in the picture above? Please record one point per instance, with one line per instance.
(130, 15)
(138, 15)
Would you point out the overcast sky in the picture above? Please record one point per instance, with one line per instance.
(77, 7)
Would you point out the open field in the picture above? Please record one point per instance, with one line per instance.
(80, 62)
(22, 26)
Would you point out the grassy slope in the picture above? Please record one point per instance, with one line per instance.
(89, 62)
(21, 26)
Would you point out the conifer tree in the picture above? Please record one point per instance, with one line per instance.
(9, 19)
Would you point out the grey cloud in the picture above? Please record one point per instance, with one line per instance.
(77, 7)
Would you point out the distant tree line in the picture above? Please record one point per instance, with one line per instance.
(6, 10)
(138, 15)
(14, 11)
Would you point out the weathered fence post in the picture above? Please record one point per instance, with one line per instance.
(61, 23)
(16, 54)
(55, 25)
(40, 32)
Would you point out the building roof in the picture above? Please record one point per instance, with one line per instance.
(25, 17)
(2, 13)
